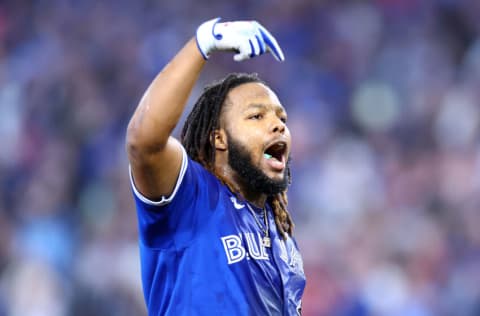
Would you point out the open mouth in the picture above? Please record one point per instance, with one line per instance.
(276, 151)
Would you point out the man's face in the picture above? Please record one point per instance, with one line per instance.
(258, 138)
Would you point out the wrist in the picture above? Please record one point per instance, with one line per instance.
(205, 37)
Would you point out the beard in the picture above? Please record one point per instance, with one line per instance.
(240, 160)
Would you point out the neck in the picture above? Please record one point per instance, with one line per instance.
(255, 198)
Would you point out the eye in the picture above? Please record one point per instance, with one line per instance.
(255, 117)
(283, 119)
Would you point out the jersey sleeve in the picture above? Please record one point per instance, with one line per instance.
(173, 221)
(165, 199)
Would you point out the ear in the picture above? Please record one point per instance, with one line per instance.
(219, 138)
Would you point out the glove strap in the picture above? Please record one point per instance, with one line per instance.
(205, 37)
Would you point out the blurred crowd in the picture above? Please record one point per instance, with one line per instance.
(383, 101)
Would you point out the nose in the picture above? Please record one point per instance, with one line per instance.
(278, 126)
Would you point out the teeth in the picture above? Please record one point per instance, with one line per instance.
(267, 156)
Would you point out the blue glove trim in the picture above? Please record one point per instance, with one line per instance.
(201, 52)
(260, 44)
(269, 43)
(217, 36)
(252, 49)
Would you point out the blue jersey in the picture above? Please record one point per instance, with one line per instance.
(201, 253)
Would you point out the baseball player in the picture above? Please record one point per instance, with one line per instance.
(215, 234)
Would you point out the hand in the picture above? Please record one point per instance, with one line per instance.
(247, 38)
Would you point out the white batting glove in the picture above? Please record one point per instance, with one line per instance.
(247, 38)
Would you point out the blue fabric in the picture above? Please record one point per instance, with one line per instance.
(201, 255)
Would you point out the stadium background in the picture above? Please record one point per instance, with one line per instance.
(383, 101)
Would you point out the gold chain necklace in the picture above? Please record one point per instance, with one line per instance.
(266, 241)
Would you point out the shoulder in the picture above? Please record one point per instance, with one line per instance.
(192, 180)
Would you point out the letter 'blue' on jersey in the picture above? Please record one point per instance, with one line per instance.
(201, 253)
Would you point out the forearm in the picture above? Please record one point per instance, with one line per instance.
(164, 101)
(155, 157)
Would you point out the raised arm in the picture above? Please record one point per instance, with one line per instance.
(156, 157)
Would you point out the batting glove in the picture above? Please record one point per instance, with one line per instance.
(247, 38)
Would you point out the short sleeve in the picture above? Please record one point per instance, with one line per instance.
(174, 220)
(165, 199)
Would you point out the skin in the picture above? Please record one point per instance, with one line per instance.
(252, 115)
(155, 157)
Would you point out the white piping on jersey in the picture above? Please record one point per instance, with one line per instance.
(164, 200)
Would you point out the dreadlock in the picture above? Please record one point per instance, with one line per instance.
(204, 119)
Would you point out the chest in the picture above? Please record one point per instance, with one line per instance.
(241, 237)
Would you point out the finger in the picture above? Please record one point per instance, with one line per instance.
(244, 52)
(261, 44)
(271, 43)
(241, 57)
(254, 48)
